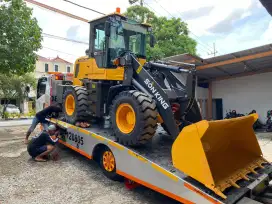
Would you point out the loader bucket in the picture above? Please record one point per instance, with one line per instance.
(218, 153)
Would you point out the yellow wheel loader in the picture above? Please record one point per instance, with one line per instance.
(115, 80)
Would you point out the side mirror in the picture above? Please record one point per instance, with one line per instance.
(107, 28)
(152, 40)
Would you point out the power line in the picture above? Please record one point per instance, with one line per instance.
(62, 38)
(77, 17)
(57, 10)
(205, 51)
(163, 8)
(206, 46)
(59, 51)
(194, 33)
(200, 43)
(84, 7)
(149, 6)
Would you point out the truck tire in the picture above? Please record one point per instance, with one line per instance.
(108, 165)
(133, 117)
(75, 104)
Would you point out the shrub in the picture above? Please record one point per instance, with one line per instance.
(32, 113)
(1, 109)
(6, 115)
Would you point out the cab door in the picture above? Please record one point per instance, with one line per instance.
(43, 98)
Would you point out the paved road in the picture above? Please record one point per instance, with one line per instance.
(73, 179)
(8, 123)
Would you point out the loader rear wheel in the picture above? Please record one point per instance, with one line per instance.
(134, 117)
(75, 100)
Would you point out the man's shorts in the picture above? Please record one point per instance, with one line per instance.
(35, 151)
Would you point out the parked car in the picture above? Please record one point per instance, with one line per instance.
(12, 109)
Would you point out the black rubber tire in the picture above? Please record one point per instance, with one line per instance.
(111, 175)
(146, 117)
(80, 95)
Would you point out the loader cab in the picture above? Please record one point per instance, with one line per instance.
(114, 34)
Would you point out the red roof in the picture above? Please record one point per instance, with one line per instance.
(40, 58)
(57, 59)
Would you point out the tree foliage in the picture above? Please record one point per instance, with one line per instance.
(141, 14)
(20, 36)
(16, 87)
(172, 35)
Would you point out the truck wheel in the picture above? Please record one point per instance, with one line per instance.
(75, 100)
(108, 165)
(133, 117)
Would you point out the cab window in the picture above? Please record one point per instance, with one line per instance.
(99, 45)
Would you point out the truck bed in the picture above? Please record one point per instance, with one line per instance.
(158, 151)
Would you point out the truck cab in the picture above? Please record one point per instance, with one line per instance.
(47, 88)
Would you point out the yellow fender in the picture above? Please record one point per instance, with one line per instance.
(218, 153)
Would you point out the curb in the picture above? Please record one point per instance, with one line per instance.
(1, 120)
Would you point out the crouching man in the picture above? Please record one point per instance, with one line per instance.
(49, 112)
(43, 144)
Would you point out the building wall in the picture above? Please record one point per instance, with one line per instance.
(201, 93)
(40, 67)
(245, 94)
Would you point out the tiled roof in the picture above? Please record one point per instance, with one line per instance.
(40, 58)
(57, 59)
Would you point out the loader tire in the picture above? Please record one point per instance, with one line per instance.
(75, 104)
(134, 118)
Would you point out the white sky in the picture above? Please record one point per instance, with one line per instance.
(232, 25)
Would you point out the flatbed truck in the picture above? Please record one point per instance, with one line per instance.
(152, 167)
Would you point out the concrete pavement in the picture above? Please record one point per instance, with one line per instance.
(73, 179)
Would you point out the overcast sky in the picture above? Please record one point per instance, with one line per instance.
(232, 25)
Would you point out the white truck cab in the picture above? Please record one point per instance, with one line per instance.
(47, 88)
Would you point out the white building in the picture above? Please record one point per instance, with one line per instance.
(45, 65)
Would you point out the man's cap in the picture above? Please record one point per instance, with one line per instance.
(52, 128)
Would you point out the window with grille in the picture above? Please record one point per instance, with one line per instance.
(46, 67)
(56, 68)
(68, 69)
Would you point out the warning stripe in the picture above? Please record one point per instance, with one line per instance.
(75, 149)
(155, 188)
(137, 156)
(114, 144)
(163, 171)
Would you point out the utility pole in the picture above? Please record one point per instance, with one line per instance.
(214, 51)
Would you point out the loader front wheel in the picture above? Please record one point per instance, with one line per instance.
(75, 100)
(133, 117)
